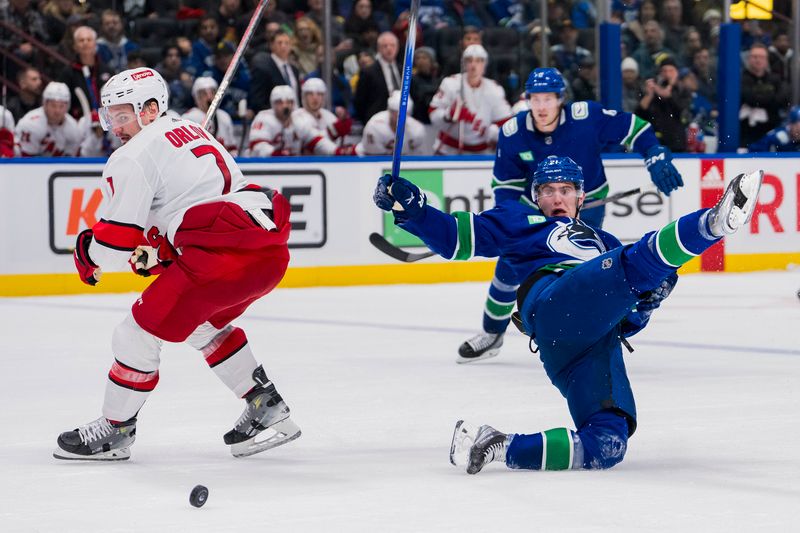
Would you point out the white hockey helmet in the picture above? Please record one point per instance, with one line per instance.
(393, 103)
(203, 83)
(314, 85)
(477, 51)
(282, 93)
(57, 91)
(133, 86)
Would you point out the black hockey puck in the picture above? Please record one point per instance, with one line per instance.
(198, 496)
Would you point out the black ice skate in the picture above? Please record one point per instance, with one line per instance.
(736, 206)
(99, 440)
(481, 346)
(473, 449)
(265, 410)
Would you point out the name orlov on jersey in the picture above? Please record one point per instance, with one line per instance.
(576, 239)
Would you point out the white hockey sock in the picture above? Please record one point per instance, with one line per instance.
(229, 356)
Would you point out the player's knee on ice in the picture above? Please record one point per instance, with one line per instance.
(604, 438)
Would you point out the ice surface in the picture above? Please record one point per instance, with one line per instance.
(371, 378)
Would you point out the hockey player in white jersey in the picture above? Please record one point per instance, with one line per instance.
(468, 113)
(279, 132)
(178, 206)
(379, 133)
(6, 133)
(51, 132)
(221, 124)
(335, 125)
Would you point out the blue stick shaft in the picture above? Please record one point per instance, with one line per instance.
(408, 63)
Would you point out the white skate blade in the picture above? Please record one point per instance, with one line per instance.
(463, 438)
(121, 454)
(488, 354)
(750, 186)
(277, 434)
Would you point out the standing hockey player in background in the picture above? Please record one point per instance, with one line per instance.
(784, 138)
(221, 124)
(583, 294)
(50, 131)
(468, 109)
(379, 133)
(178, 206)
(278, 131)
(6, 133)
(336, 126)
(581, 131)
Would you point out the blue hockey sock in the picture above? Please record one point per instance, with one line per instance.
(499, 306)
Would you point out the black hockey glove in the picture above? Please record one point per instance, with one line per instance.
(88, 271)
(400, 196)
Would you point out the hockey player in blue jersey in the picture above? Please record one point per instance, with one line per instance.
(582, 294)
(784, 138)
(581, 131)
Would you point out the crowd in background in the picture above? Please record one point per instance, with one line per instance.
(669, 51)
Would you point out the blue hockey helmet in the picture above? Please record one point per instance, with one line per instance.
(545, 80)
(794, 115)
(556, 169)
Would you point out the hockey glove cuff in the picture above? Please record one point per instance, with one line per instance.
(658, 160)
(88, 271)
(651, 300)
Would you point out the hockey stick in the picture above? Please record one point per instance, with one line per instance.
(617, 196)
(234, 64)
(378, 241)
(408, 63)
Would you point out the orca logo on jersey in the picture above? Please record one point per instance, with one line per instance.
(136, 76)
(575, 239)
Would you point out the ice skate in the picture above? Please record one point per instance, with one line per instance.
(481, 346)
(99, 440)
(736, 206)
(265, 412)
(473, 449)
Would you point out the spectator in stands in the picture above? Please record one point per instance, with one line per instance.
(692, 42)
(780, 56)
(6, 133)
(752, 33)
(674, 30)
(452, 64)
(379, 80)
(29, 81)
(178, 80)
(273, 69)
(137, 60)
(232, 20)
(763, 96)
(363, 20)
(336, 125)
(702, 111)
(353, 69)
(400, 30)
(202, 56)
(85, 46)
(583, 14)
(567, 55)
(113, 46)
(712, 19)
(240, 83)
(468, 109)
(342, 93)
(58, 12)
(515, 14)
(379, 133)
(22, 15)
(584, 85)
(307, 39)
(424, 82)
(632, 89)
(50, 131)
(221, 124)
(633, 20)
(706, 76)
(784, 138)
(652, 50)
(341, 44)
(663, 104)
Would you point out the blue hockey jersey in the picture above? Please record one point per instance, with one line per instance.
(777, 140)
(519, 233)
(584, 131)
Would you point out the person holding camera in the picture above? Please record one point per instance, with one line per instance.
(663, 104)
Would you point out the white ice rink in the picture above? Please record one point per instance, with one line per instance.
(369, 374)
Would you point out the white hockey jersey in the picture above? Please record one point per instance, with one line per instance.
(35, 137)
(378, 136)
(324, 123)
(150, 182)
(224, 132)
(268, 135)
(487, 102)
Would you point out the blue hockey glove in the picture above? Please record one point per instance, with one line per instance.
(658, 160)
(411, 200)
(651, 300)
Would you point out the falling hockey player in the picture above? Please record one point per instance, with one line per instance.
(178, 206)
(582, 294)
(580, 131)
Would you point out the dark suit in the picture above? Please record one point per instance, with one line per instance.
(371, 92)
(266, 76)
